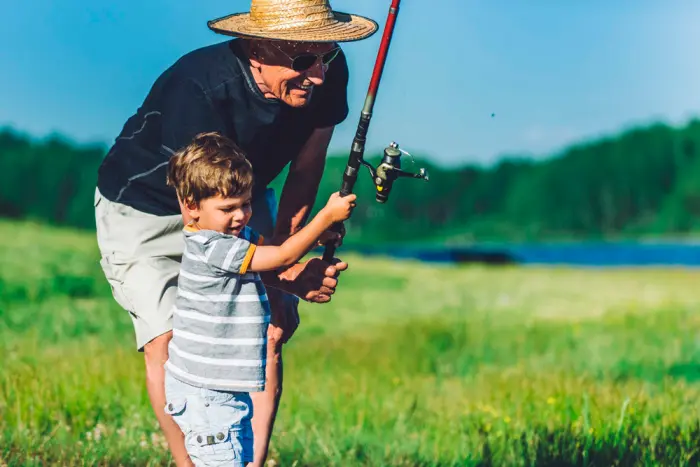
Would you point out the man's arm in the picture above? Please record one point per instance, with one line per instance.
(302, 183)
(301, 186)
(297, 199)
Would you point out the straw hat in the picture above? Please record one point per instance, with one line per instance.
(295, 20)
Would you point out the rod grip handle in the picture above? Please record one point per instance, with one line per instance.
(329, 251)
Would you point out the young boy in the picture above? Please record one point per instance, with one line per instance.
(217, 353)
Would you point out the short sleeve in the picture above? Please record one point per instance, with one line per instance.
(234, 254)
(252, 236)
(331, 103)
(186, 111)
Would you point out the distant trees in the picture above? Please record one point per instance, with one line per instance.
(642, 181)
(50, 181)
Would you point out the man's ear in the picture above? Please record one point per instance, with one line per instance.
(255, 62)
(255, 52)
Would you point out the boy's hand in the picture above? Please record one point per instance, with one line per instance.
(340, 207)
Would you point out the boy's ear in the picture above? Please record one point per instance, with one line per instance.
(190, 207)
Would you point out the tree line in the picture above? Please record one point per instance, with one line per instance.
(642, 181)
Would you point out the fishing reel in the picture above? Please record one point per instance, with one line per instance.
(389, 169)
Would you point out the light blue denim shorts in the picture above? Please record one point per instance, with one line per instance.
(216, 424)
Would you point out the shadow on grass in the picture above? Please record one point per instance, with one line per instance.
(671, 445)
(654, 372)
(689, 372)
(539, 446)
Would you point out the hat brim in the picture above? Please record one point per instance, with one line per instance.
(344, 28)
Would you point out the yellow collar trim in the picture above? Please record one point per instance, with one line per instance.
(192, 227)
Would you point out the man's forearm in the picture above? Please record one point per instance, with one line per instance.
(297, 199)
(296, 202)
(301, 186)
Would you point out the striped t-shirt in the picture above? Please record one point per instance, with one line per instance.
(221, 314)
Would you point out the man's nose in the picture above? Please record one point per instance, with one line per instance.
(317, 73)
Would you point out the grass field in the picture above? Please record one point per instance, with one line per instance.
(411, 364)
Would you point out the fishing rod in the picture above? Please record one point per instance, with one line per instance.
(389, 169)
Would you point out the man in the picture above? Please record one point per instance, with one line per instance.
(277, 89)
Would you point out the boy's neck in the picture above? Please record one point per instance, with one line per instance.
(192, 226)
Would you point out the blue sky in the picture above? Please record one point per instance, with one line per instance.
(552, 72)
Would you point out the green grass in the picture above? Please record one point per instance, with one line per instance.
(411, 364)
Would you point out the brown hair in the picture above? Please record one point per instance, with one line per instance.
(210, 165)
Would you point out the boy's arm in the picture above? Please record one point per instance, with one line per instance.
(268, 258)
(243, 254)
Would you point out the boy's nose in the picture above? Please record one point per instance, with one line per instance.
(238, 215)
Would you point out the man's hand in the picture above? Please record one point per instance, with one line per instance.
(313, 281)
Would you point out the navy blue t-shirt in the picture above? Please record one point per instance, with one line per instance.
(212, 89)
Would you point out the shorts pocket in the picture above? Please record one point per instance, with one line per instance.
(115, 272)
(175, 406)
(224, 436)
(217, 446)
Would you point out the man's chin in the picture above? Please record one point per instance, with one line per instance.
(297, 101)
(298, 104)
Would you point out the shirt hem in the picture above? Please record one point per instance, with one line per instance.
(216, 387)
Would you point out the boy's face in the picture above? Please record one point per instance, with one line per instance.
(226, 215)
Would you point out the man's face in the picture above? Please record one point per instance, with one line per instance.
(277, 76)
(227, 215)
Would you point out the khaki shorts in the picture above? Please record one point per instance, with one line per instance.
(141, 254)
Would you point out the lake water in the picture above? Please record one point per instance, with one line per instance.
(573, 254)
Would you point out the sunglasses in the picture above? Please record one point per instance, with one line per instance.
(305, 60)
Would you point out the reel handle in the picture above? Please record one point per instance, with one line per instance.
(383, 178)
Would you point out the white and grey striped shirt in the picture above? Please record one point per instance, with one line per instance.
(221, 314)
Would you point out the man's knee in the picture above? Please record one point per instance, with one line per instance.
(156, 354)
(274, 358)
(275, 335)
(285, 317)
